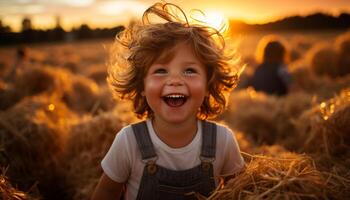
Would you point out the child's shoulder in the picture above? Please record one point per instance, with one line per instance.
(222, 129)
(125, 133)
(128, 130)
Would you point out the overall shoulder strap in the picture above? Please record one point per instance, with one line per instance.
(208, 140)
(143, 140)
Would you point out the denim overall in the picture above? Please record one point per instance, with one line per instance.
(158, 182)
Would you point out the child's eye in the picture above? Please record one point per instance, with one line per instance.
(160, 71)
(189, 71)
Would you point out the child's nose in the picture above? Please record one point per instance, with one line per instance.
(174, 80)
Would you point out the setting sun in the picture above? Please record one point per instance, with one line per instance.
(217, 20)
(213, 19)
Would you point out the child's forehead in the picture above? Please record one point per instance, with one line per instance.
(168, 53)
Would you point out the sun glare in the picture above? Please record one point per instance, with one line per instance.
(213, 19)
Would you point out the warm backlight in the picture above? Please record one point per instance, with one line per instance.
(213, 19)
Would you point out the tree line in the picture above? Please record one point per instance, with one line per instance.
(30, 35)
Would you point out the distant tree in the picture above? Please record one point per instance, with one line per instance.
(58, 32)
(4, 29)
(84, 31)
(344, 20)
(28, 33)
(26, 24)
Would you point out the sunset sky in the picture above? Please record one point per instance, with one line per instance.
(109, 13)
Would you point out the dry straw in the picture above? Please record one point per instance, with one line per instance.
(8, 192)
(265, 119)
(325, 128)
(290, 176)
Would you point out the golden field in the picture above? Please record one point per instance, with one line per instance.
(58, 119)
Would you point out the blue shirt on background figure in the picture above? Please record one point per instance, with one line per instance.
(271, 76)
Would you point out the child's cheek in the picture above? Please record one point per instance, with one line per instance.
(152, 86)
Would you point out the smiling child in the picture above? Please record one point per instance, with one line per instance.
(177, 75)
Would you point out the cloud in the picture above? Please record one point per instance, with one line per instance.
(28, 9)
(119, 7)
(78, 3)
(73, 3)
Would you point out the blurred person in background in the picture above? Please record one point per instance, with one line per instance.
(21, 61)
(271, 76)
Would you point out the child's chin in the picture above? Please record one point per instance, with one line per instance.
(177, 119)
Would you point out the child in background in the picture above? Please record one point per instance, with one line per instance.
(177, 75)
(21, 63)
(271, 76)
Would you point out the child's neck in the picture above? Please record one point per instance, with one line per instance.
(175, 135)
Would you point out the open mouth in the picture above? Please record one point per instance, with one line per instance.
(175, 100)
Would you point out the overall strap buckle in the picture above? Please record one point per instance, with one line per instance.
(206, 162)
(151, 164)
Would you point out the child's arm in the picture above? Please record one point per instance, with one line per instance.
(107, 189)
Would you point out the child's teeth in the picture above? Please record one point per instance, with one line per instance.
(175, 100)
(176, 96)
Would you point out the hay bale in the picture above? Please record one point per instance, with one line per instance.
(81, 95)
(303, 78)
(265, 119)
(39, 79)
(288, 109)
(288, 176)
(97, 73)
(9, 96)
(3, 69)
(295, 54)
(33, 135)
(62, 56)
(322, 60)
(104, 102)
(252, 113)
(294, 104)
(328, 88)
(72, 64)
(324, 128)
(88, 143)
(342, 46)
(323, 87)
(302, 43)
(35, 80)
(299, 46)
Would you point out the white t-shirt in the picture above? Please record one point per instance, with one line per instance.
(123, 162)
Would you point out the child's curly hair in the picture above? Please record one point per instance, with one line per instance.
(137, 47)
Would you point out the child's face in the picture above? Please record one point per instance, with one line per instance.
(176, 89)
